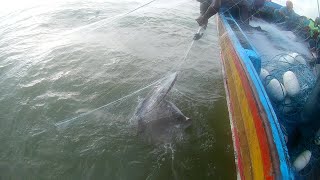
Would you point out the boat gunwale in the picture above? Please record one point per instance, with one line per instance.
(262, 100)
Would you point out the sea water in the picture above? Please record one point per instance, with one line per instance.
(72, 73)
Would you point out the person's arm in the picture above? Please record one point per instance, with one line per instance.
(204, 7)
(212, 10)
(282, 11)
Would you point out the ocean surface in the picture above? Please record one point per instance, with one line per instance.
(72, 74)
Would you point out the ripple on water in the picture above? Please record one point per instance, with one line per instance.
(71, 79)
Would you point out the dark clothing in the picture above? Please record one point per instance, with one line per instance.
(204, 5)
(217, 3)
(286, 12)
(250, 4)
(241, 7)
(311, 112)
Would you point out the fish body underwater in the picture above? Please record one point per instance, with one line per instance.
(159, 120)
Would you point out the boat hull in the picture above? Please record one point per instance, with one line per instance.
(258, 141)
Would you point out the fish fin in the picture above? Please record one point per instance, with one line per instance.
(176, 108)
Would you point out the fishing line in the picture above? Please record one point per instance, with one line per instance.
(195, 39)
(179, 66)
(177, 71)
(128, 39)
(183, 60)
(63, 124)
(111, 19)
(132, 36)
(210, 99)
(278, 22)
(29, 64)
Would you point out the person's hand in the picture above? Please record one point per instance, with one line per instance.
(202, 21)
(286, 18)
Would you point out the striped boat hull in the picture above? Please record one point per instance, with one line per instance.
(258, 142)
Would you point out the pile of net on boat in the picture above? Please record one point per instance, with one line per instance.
(289, 81)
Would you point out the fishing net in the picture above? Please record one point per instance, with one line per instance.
(291, 106)
(289, 109)
(284, 51)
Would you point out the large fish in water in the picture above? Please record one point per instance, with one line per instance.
(159, 120)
